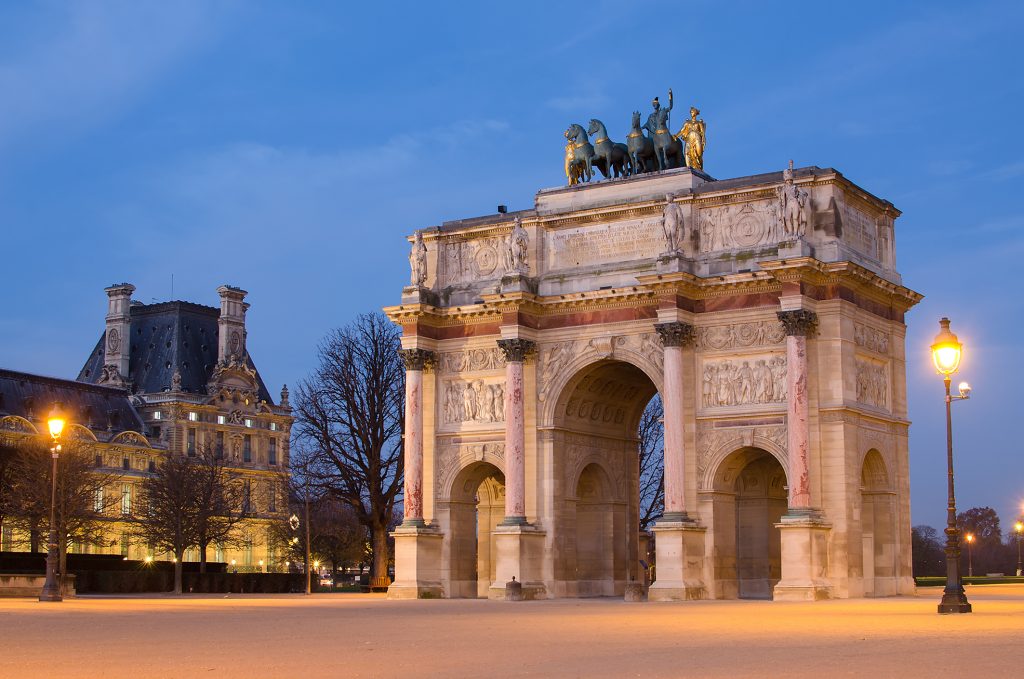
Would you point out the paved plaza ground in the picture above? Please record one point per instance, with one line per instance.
(367, 636)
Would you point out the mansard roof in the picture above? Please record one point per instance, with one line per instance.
(100, 408)
(168, 337)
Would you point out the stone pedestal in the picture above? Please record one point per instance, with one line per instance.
(795, 248)
(520, 554)
(419, 295)
(417, 563)
(679, 546)
(804, 559)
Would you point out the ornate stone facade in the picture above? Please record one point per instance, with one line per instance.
(766, 312)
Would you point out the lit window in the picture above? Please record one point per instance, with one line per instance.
(273, 426)
(157, 415)
(222, 419)
(193, 416)
(248, 422)
(126, 499)
(97, 500)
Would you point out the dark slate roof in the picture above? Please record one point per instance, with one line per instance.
(97, 407)
(165, 337)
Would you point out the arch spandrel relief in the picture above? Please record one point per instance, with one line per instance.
(453, 456)
(715, 444)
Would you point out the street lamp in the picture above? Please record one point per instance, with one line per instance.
(1018, 528)
(970, 554)
(51, 589)
(946, 353)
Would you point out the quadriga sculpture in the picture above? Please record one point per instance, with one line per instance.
(609, 157)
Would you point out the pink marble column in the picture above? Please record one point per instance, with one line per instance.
(674, 336)
(798, 323)
(515, 351)
(415, 362)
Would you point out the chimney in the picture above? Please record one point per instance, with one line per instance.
(231, 324)
(119, 333)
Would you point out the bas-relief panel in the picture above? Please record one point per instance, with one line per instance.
(740, 335)
(481, 401)
(740, 226)
(872, 383)
(467, 261)
(870, 338)
(471, 360)
(604, 244)
(747, 380)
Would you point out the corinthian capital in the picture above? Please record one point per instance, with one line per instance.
(416, 359)
(799, 321)
(516, 350)
(675, 334)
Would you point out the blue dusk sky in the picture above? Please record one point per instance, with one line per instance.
(288, 148)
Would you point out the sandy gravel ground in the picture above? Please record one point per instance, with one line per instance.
(346, 635)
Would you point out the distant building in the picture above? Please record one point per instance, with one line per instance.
(171, 377)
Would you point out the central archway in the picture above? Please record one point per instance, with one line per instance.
(596, 467)
(749, 499)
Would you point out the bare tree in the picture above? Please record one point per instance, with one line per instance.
(167, 515)
(651, 433)
(349, 414)
(81, 503)
(220, 503)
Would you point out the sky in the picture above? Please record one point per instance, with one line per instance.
(289, 148)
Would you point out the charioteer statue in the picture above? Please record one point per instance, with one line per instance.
(650, 147)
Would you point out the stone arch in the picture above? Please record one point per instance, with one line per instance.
(18, 424)
(748, 498)
(453, 459)
(474, 506)
(878, 511)
(716, 464)
(554, 385)
(592, 440)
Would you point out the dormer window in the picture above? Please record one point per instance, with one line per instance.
(273, 426)
(193, 416)
(222, 419)
(157, 415)
(248, 422)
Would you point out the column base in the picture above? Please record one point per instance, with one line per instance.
(679, 549)
(417, 563)
(635, 592)
(954, 601)
(804, 535)
(519, 550)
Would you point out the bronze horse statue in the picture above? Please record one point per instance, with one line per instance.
(609, 157)
(579, 155)
(640, 148)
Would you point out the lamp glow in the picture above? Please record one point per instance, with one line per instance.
(946, 350)
(55, 422)
(1018, 526)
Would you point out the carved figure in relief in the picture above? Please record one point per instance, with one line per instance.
(872, 385)
(418, 261)
(736, 383)
(516, 249)
(794, 205)
(473, 402)
(672, 225)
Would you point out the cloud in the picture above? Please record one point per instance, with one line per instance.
(1004, 172)
(91, 61)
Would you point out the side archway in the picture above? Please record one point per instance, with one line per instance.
(878, 527)
(475, 505)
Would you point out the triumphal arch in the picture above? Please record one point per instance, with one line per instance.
(765, 310)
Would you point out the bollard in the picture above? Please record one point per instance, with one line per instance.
(513, 590)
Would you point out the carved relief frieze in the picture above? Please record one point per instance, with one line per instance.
(742, 225)
(871, 338)
(872, 383)
(472, 360)
(465, 261)
(743, 381)
(473, 401)
(740, 335)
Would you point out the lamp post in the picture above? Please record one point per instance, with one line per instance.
(970, 554)
(1018, 528)
(946, 353)
(51, 589)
